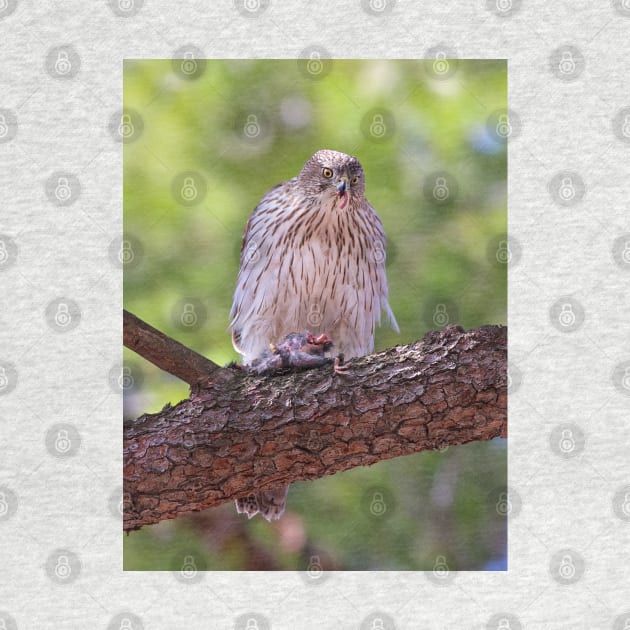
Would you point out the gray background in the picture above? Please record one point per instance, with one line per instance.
(60, 485)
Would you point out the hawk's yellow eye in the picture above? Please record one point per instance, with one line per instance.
(355, 179)
(327, 173)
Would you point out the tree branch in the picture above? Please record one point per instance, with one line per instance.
(239, 432)
(169, 355)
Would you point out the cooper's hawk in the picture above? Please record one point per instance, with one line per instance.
(313, 259)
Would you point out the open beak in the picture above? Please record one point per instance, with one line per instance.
(342, 191)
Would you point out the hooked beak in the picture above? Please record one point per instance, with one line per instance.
(342, 192)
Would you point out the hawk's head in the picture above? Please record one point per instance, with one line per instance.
(333, 176)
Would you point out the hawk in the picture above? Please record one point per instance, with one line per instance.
(312, 258)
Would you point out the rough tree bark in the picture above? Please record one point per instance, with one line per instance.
(238, 432)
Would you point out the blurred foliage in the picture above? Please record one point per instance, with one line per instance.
(435, 160)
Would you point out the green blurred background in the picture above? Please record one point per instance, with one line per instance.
(204, 141)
